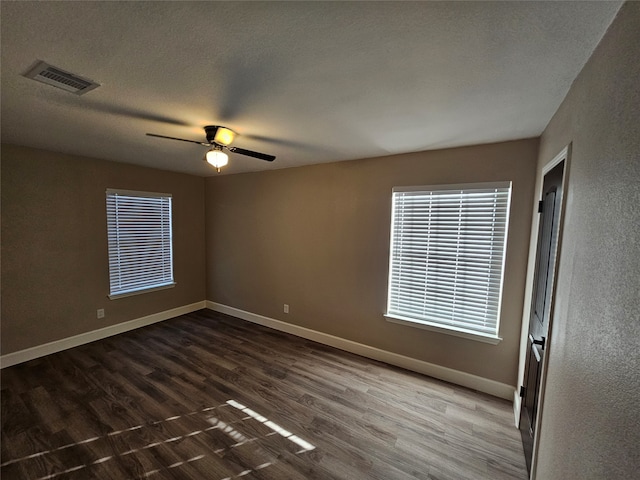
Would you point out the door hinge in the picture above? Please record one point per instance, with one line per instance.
(523, 391)
(540, 206)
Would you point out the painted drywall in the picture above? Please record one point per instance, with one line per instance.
(55, 272)
(590, 426)
(317, 239)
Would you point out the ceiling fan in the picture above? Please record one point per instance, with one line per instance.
(220, 138)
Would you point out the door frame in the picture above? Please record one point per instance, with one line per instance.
(563, 156)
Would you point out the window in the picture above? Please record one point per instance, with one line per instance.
(140, 242)
(447, 257)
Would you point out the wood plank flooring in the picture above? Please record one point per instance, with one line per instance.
(208, 396)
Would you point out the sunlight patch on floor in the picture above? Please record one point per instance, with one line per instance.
(231, 428)
(306, 446)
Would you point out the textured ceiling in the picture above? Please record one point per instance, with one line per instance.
(309, 82)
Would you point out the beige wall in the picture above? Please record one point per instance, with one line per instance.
(317, 238)
(590, 425)
(55, 270)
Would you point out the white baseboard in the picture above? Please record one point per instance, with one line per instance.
(457, 377)
(77, 340)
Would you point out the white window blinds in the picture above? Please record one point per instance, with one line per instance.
(140, 241)
(447, 255)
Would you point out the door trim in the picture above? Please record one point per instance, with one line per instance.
(563, 155)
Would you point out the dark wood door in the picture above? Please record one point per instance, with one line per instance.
(541, 305)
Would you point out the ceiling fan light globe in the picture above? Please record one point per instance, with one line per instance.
(217, 159)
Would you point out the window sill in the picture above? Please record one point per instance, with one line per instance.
(409, 322)
(141, 291)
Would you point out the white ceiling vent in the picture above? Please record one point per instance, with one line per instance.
(45, 73)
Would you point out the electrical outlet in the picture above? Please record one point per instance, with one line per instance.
(100, 313)
(286, 308)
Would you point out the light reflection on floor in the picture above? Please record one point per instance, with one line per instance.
(306, 446)
(231, 428)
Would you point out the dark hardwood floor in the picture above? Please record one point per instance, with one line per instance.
(208, 396)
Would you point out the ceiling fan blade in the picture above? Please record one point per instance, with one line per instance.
(251, 153)
(181, 139)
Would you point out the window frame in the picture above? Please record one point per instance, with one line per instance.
(430, 323)
(162, 281)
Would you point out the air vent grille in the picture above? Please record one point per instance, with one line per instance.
(45, 73)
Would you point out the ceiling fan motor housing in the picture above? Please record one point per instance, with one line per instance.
(218, 135)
